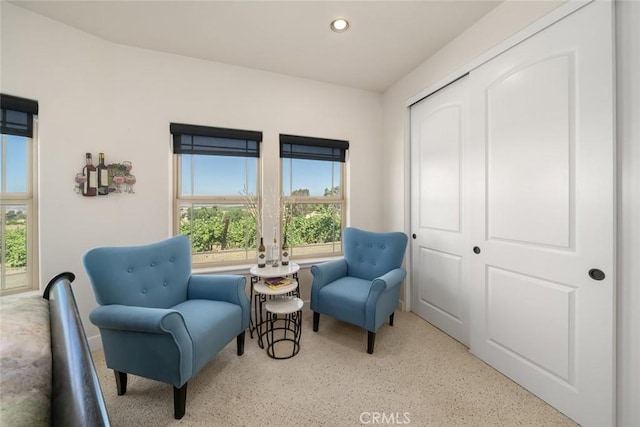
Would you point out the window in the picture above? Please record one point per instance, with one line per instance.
(18, 269)
(313, 194)
(214, 169)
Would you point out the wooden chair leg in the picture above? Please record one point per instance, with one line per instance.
(121, 382)
(240, 343)
(371, 340)
(391, 319)
(179, 401)
(316, 321)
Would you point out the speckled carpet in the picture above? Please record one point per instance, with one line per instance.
(417, 376)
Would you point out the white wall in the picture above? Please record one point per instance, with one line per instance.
(498, 25)
(98, 96)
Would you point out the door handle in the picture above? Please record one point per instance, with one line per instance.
(476, 250)
(414, 236)
(596, 274)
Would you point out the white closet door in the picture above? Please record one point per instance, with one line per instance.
(542, 212)
(440, 239)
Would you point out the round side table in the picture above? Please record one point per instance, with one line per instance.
(284, 326)
(260, 292)
(280, 271)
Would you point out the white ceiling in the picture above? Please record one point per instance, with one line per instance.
(386, 39)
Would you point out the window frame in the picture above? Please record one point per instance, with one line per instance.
(341, 199)
(179, 200)
(30, 200)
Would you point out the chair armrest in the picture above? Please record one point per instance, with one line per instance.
(229, 288)
(388, 280)
(138, 319)
(383, 298)
(328, 272)
(323, 274)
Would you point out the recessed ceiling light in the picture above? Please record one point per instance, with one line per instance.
(339, 25)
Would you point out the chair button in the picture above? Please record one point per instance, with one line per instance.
(153, 264)
(144, 291)
(129, 270)
(171, 259)
(165, 284)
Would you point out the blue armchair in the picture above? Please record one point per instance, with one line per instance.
(363, 288)
(158, 321)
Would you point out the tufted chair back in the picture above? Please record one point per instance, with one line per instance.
(370, 255)
(154, 275)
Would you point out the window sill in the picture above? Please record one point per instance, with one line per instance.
(244, 268)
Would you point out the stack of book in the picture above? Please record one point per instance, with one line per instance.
(275, 283)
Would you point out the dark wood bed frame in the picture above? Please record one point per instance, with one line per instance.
(76, 396)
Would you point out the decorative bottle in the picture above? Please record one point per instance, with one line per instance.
(285, 252)
(90, 187)
(103, 176)
(262, 255)
(275, 253)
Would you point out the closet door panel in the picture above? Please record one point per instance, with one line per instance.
(529, 115)
(440, 153)
(439, 291)
(513, 300)
(543, 202)
(443, 272)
